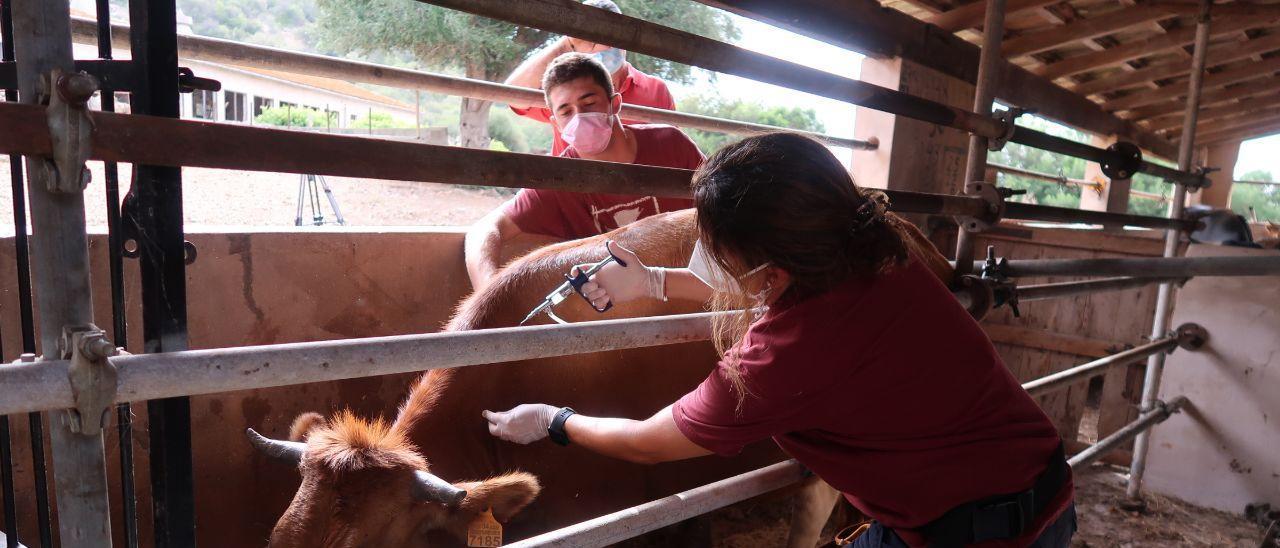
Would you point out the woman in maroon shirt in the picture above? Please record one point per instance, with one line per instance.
(848, 352)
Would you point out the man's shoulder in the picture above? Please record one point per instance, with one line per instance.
(660, 132)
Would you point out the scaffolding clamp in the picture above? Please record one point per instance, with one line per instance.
(993, 199)
(1004, 290)
(70, 128)
(1007, 117)
(92, 376)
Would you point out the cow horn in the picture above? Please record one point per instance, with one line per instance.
(429, 488)
(288, 451)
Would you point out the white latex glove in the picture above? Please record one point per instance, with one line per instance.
(523, 424)
(619, 284)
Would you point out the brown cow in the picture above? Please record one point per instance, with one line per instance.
(442, 412)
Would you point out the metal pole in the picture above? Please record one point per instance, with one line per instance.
(228, 52)
(119, 327)
(1059, 179)
(1158, 413)
(1148, 267)
(153, 209)
(152, 376)
(983, 95)
(638, 520)
(1063, 379)
(1019, 210)
(1042, 292)
(42, 40)
(1164, 299)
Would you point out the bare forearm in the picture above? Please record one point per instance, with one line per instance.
(482, 249)
(610, 437)
(529, 73)
(682, 284)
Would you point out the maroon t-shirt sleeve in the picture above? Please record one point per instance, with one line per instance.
(538, 211)
(711, 416)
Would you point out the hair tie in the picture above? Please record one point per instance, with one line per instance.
(863, 216)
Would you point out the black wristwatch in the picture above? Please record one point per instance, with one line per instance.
(556, 430)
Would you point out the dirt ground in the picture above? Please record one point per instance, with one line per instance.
(215, 197)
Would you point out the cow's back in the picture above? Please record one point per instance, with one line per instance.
(635, 383)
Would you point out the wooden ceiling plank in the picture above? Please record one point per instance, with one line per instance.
(1142, 48)
(970, 15)
(1207, 98)
(1083, 29)
(1224, 78)
(1172, 69)
(1242, 122)
(1261, 130)
(1213, 113)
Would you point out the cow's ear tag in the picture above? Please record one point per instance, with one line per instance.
(484, 531)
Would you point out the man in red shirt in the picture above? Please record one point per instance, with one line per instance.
(862, 365)
(585, 108)
(635, 87)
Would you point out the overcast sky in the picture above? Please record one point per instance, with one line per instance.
(838, 117)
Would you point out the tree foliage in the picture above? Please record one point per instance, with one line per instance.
(294, 116)
(805, 119)
(1264, 199)
(1033, 159)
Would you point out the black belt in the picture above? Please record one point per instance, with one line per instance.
(1002, 516)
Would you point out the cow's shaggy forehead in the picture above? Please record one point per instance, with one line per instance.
(349, 443)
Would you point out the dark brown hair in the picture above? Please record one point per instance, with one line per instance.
(783, 199)
(572, 66)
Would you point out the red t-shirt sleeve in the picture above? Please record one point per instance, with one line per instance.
(538, 211)
(534, 113)
(711, 417)
(664, 98)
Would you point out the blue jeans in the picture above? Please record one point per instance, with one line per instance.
(1056, 535)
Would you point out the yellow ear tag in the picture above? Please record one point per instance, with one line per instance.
(484, 531)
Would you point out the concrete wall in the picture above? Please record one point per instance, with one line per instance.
(1224, 451)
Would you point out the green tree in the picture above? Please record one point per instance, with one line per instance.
(805, 119)
(481, 48)
(1034, 159)
(291, 116)
(1262, 201)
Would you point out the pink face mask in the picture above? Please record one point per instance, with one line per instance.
(589, 132)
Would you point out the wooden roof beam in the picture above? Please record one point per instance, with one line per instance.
(1260, 130)
(1172, 69)
(868, 27)
(1246, 120)
(1141, 48)
(1240, 8)
(1262, 86)
(1083, 29)
(1224, 78)
(970, 15)
(1257, 104)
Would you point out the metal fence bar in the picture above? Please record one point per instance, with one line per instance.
(641, 36)
(1059, 179)
(215, 50)
(43, 385)
(26, 317)
(42, 40)
(1041, 292)
(1065, 378)
(171, 142)
(650, 516)
(1157, 415)
(1146, 267)
(1164, 298)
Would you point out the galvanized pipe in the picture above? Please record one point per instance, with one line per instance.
(214, 50)
(1039, 292)
(1164, 299)
(1067, 377)
(638, 520)
(632, 34)
(1019, 210)
(989, 62)
(43, 385)
(60, 253)
(1059, 179)
(1147, 267)
(1156, 415)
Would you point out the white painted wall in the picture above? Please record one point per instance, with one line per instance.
(1224, 451)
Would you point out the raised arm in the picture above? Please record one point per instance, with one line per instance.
(649, 441)
(618, 284)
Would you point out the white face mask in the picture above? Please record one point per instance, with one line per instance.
(611, 58)
(709, 272)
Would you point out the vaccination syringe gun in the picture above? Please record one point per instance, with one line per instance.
(573, 284)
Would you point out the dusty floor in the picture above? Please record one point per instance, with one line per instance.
(1166, 522)
(215, 197)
